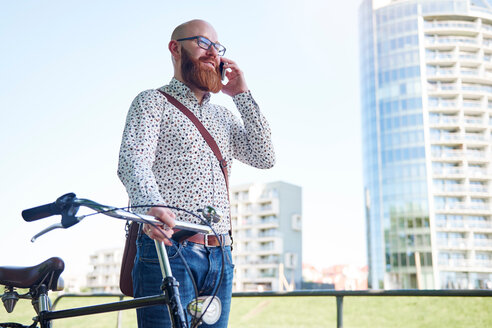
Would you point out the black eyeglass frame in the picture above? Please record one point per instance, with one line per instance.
(220, 48)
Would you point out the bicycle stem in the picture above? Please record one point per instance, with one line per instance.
(163, 259)
(170, 288)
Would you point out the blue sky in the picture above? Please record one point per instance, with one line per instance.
(69, 71)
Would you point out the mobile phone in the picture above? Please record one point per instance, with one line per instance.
(222, 70)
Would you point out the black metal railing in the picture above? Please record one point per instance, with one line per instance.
(339, 294)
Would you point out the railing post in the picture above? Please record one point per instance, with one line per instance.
(120, 315)
(339, 311)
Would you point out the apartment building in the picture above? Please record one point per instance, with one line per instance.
(426, 95)
(105, 274)
(267, 231)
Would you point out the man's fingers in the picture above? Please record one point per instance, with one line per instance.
(158, 233)
(164, 215)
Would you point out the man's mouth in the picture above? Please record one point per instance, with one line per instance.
(209, 64)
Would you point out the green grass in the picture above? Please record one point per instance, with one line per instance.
(405, 312)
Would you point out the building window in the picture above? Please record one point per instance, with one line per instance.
(290, 260)
(265, 206)
(244, 195)
(296, 222)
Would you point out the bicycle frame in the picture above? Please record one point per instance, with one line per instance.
(170, 292)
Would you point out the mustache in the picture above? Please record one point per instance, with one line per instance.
(205, 59)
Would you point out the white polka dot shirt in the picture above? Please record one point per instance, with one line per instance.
(164, 160)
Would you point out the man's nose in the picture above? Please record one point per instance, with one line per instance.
(212, 51)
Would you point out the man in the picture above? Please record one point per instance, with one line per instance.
(164, 160)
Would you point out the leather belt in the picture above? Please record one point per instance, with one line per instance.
(209, 240)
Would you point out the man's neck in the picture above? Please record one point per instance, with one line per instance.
(199, 94)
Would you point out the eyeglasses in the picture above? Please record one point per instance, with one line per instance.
(206, 44)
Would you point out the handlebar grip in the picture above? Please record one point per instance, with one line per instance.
(40, 212)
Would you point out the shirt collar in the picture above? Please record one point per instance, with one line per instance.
(183, 93)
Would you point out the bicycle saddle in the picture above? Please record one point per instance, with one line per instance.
(46, 272)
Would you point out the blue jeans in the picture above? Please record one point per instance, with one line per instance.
(205, 265)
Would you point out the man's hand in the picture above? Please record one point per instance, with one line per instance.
(236, 83)
(167, 217)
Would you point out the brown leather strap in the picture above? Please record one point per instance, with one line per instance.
(208, 138)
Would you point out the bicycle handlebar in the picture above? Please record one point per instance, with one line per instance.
(44, 211)
(40, 212)
(68, 205)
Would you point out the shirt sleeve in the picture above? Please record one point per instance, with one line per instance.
(138, 149)
(251, 140)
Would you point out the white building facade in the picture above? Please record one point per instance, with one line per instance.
(105, 274)
(267, 232)
(426, 86)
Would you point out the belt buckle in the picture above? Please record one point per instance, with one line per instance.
(205, 241)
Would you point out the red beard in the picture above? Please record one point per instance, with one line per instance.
(203, 78)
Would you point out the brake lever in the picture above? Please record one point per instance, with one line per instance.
(60, 225)
(45, 231)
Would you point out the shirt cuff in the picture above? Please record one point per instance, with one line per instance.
(245, 102)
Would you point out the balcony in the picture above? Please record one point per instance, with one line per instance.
(269, 234)
(481, 173)
(246, 223)
(472, 104)
(486, 28)
(440, 57)
(450, 264)
(469, 57)
(447, 89)
(441, 72)
(487, 43)
(458, 188)
(243, 235)
(445, 137)
(456, 26)
(475, 121)
(477, 154)
(468, 42)
(271, 261)
(470, 72)
(454, 243)
(462, 207)
(458, 154)
(483, 243)
(444, 121)
(449, 172)
(455, 137)
(476, 137)
(270, 222)
(478, 189)
(460, 263)
(475, 89)
(463, 225)
(269, 249)
(267, 275)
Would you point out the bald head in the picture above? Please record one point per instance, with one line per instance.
(189, 56)
(193, 28)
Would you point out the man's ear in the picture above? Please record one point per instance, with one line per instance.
(175, 49)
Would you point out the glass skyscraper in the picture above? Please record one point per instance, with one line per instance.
(426, 97)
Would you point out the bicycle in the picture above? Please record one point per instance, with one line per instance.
(45, 277)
